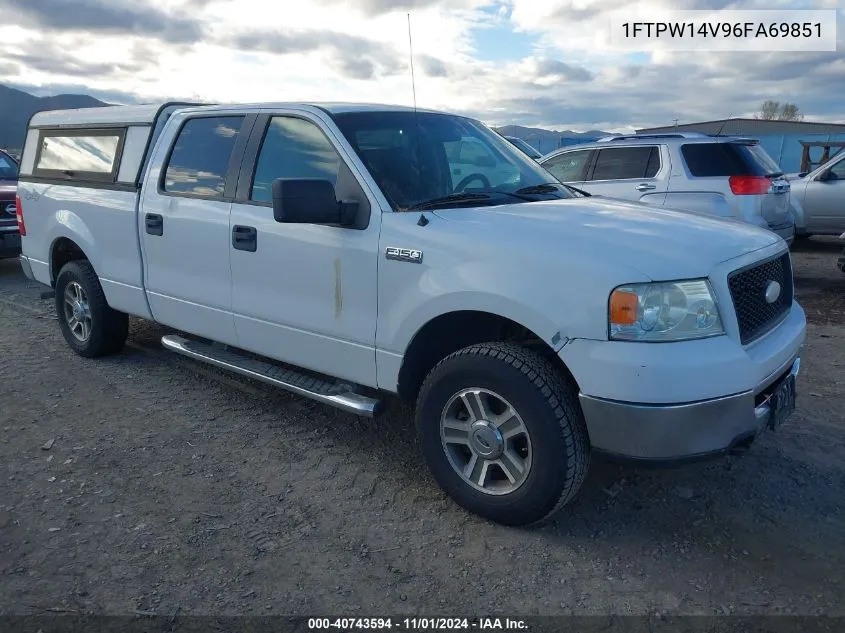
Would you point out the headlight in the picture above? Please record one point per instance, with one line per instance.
(668, 311)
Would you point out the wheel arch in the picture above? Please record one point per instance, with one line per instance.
(448, 332)
(63, 250)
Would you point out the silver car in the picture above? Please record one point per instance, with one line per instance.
(723, 176)
(818, 199)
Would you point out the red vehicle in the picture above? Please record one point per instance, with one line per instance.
(10, 238)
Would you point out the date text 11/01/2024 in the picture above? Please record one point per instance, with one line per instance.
(416, 624)
(723, 29)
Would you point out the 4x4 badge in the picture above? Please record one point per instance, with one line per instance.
(404, 254)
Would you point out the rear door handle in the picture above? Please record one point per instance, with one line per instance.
(245, 238)
(154, 224)
(645, 187)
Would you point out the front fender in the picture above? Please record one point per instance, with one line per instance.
(554, 290)
(476, 301)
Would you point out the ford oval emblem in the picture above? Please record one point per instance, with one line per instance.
(10, 209)
(772, 291)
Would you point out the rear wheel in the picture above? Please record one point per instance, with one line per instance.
(89, 325)
(503, 433)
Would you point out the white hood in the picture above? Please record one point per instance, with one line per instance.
(660, 243)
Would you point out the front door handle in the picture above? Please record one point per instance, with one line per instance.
(154, 224)
(245, 238)
(645, 187)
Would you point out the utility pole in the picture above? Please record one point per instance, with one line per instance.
(676, 123)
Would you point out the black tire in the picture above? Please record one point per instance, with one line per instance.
(108, 328)
(547, 402)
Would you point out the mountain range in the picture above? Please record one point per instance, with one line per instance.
(547, 140)
(17, 106)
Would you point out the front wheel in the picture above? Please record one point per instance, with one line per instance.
(503, 433)
(89, 325)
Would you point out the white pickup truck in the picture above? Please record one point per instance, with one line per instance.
(331, 250)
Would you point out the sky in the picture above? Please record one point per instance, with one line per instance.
(540, 63)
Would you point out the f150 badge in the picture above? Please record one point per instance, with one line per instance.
(404, 254)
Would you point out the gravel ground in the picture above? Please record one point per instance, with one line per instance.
(150, 483)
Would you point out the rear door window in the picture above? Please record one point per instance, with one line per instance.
(713, 160)
(569, 166)
(200, 158)
(624, 163)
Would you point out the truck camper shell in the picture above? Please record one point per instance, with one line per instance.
(119, 138)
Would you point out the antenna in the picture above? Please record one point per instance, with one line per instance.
(423, 220)
(722, 127)
(411, 49)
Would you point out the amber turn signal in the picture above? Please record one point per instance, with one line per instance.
(623, 307)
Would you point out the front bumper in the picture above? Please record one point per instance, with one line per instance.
(10, 244)
(650, 432)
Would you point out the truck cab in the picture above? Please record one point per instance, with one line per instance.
(332, 250)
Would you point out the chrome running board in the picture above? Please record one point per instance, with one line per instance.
(335, 394)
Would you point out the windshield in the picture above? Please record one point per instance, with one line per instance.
(8, 167)
(424, 158)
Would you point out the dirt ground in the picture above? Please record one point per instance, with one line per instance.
(148, 483)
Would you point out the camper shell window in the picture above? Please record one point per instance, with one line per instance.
(80, 154)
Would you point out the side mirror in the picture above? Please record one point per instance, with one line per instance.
(310, 201)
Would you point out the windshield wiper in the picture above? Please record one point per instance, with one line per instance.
(445, 200)
(546, 187)
(586, 194)
(510, 194)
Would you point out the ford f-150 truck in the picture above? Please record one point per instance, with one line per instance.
(345, 253)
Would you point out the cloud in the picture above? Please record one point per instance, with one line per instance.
(44, 55)
(379, 7)
(112, 16)
(355, 57)
(507, 61)
(433, 67)
(552, 68)
(568, 12)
